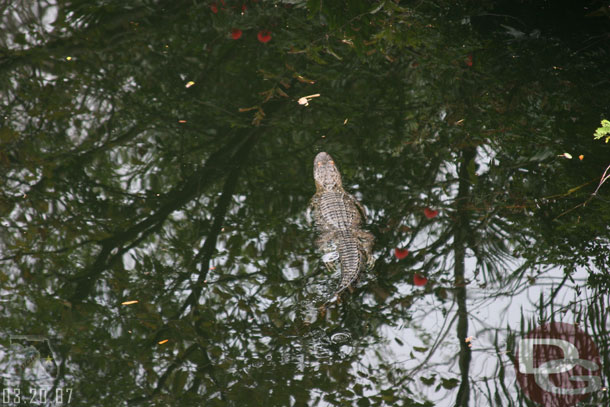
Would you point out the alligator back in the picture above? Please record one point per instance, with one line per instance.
(352, 258)
(336, 210)
(338, 216)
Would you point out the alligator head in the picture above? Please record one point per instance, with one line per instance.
(325, 173)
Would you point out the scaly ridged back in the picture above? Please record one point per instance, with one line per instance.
(351, 258)
(336, 210)
(338, 217)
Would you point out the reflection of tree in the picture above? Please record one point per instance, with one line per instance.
(121, 183)
(460, 244)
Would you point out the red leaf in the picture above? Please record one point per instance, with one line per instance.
(469, 60)
(243, 8)
(236, 33)
(419, 280)
(264, 36)
(401, 253)
(214, 8)
(430, 213)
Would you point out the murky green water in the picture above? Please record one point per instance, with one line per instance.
(156, 169)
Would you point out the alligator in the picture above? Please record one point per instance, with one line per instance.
(338, 217)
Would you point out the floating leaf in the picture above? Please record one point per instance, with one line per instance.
(429, 213)
(304, 80)
(419, 280)
(236, 33)
(401, 253)
(280, 92)
(305, 99)
(264, 36)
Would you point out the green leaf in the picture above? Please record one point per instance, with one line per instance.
(179, 381)
(428, 381)
(449, 383)
(603, 131)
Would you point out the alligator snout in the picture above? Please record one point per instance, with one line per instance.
(323, 158)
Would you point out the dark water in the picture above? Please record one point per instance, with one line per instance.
(156, 166)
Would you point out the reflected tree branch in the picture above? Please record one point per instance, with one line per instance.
(204, 256)
(112, 248)
(462, 231)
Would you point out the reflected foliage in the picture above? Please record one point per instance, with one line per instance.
(147, 155)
